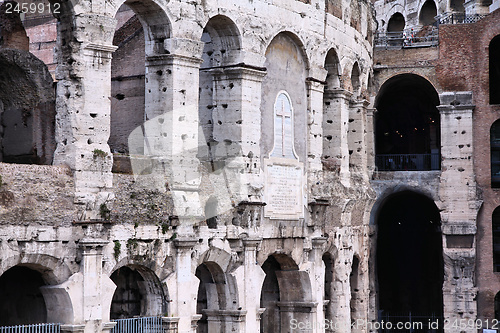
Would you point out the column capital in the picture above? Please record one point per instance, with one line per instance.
(318, 242)
(251, 243)
(185, 243)
(338, 93)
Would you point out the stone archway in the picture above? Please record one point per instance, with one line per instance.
(286, 295)
(138, 292)
(409, 257)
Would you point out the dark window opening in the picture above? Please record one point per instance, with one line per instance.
(495, 154)
(396, 23)
(428, 13)
(407, 125)
(494, 54)
(270, 296)
(409, 258)
(329, 284)
(495, 224)
(497, 306)
(127, 298)
(211, 292)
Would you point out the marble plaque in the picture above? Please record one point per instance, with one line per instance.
(284, 189)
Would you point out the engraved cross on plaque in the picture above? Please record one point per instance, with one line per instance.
(283, 114)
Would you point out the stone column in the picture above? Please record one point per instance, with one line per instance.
(314, 122)
(169, 136)
(317, 271)
(335, 125)
(356, 136)
(237, 128)
(252, 284)
(460, 204)
(184, 287)
(96, 287)
(370, 140)
(83, 112)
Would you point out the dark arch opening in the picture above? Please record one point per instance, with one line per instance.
(495, 154)
(396, 23)
(356, 79)
(138, 292)
(428, 13)
(128, 298)
(407, 125)
(270, 296)
(497, 306)
(211, 292)
(409, 256)
(495, 224)
(494, 54)
(21, 301)
(328, 286)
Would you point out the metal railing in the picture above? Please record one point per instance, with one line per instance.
(138, 325)
(407, 162)
(34, 328)
(459, 18)
(407, 38)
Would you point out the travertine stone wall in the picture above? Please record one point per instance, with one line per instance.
(80, 223)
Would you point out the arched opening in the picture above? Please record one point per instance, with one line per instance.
(396, 23)
(409, 257)
(137, 84)
(127, 81)
(356, 80)
(495, 225)
(217, 108)
(282, 305)
(494, 55)
(328, 295)
(213, 298)
(407, 125)
(428, 12)
(332, 129)
(354, 284)
(495, 154)
(21, 301)
(138, 293)
(285, 59)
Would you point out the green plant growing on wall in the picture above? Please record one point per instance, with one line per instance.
(117, 249)
(105, 212)
(99, 153)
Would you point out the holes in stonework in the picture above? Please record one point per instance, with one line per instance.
(89, 141)
(239, 121)
(224, 106)
(210, 107)
(231, 85)
(329, 121)
(350, 152)
(219, 122)
(93, 115)
(164, 89)
(329, 137)
(181, 118)
(121, 96)
(65, 142)
(460, 146)
(164, 135)
(222, 51)
(351, 120)
(184, 136)
(159, 72)
(209, 53)
(327, 103)
(458, 118)
(455, 132)
(463, 132)
(161, 120)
